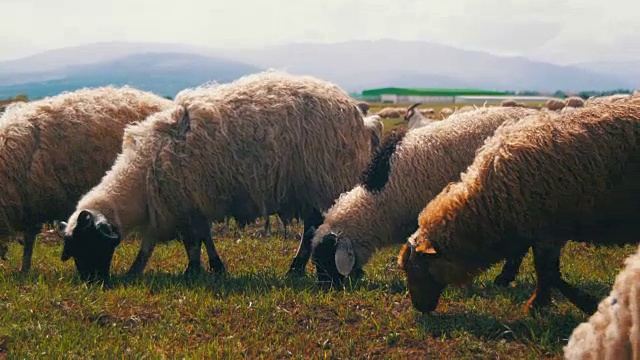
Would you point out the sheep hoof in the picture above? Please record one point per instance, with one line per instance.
(194, 268)
(535, 305)
(217, 267)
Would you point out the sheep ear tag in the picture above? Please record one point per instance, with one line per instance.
(345, 257)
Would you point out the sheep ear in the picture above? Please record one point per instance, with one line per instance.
(184, 125)
(110, 233)
(426, 248)
(85, 219)
(345, 257)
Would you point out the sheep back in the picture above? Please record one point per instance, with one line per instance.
(266, 141)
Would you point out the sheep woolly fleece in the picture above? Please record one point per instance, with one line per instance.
(613, 332)
(264, 143)
(54, 150)
(469, 221)
(424, 162)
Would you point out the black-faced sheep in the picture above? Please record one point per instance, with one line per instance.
(364, 107)
(266, 143)
(54, 150)
(535, 183)
(415, 119)
(613, 332)
(407, 171)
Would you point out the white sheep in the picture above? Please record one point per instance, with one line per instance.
(415, 119)
(267, 143)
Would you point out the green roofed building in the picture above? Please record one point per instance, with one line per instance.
(405, 95)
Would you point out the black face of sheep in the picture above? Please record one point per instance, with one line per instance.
(334, 258)
(91, 244)
(424, 289)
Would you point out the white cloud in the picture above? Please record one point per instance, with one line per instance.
(557, 30)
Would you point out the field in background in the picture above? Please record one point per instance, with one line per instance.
(254, 312)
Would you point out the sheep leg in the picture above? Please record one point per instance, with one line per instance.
(580, 298)
(267, 226)
(303, 254)
(511, 268)
(29, 239)
(147, 246)
(546, 259)
(203, 228)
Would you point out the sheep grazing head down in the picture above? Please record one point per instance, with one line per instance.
(91, 241)
(333, 255)
(424, 284)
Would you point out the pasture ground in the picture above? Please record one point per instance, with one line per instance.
(254, 312)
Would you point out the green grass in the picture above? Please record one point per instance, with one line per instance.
(253, 312)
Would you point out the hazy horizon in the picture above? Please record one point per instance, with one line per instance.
(564, 31)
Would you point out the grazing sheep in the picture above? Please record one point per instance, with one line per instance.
(466, 108)
(415, 119)
(78, 133)
(392, 112)
(614, 331)
(535, 184)
(428, 111)
(407, 171)
(267, 143)
(575, 101)
(555, 104)
(509, 103)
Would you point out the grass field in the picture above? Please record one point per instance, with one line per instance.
(253, 312)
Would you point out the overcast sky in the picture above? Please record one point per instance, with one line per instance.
(555, 30)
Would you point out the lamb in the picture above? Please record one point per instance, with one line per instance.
(536, 183)
(556, 104)
(574, 101)
(78, 133)
(407, 171)
(415, 119)
(266, 143)
(612, 332)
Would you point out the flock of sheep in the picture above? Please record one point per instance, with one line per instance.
(463, 193)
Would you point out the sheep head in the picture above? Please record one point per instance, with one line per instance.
(334, 257)
(428, 273)
(91, 241)
(412, 111)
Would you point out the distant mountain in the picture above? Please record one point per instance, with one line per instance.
(162, 73)
(627, 70)
(348, 63)
(354, 65)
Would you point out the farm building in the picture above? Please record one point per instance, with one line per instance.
(404, 95)
(499, 99)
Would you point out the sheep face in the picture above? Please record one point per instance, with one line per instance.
(91, 243)
(411, 112)
(333, 256)
(424, 288)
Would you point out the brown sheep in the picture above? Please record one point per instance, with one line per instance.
(539, 182)
(54, 150)
(555, 104)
